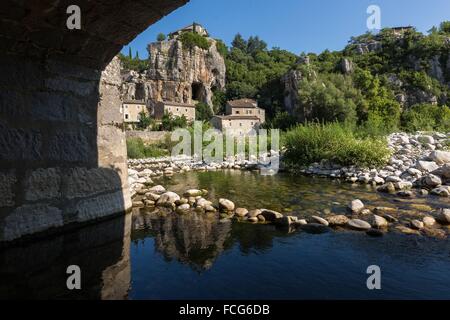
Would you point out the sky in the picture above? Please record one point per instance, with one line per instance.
(294, 25)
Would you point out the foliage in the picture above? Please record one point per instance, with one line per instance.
(334, 142)
(282, 120)
(221, 48)
(170, 123)
(253, 71)
(144, 121)
(135, 64)
(191, 40)
(426, 117)
(161, 37)
(137, 149)
(203, 112)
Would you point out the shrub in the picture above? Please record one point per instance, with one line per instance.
(426, 117)
(137, 149)
(191, 40)
(161, 37)
(314, 142)
(170, 123)
(203, 112)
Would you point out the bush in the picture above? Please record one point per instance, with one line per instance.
(314, 142)
(191, 40)
(426, 117)
(170, 123)
(203, 112)
(137, 149)
(161, 37)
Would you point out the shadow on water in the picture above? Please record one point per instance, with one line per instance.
(38, 270)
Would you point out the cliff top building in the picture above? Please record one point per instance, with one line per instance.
(176, 109)
(195, 27)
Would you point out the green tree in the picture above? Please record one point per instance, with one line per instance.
(161, 37)
(203, 112)
(239, 43)
(144, 121)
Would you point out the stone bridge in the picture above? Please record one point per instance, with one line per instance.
(62, 146)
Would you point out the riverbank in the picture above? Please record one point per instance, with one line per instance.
(419, 167)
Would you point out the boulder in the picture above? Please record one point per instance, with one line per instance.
(157, 189)
(315, 228)
(378, 222)
(320, 220)
(152, 196)
(440, 157)
(254, 213)
(271, 215)
(443, 217)
(356, 206)
(168, 199)
(193, 193)
(425, 139)
(432, 181)
(429, 221)
(339, 220)
(387, 188)
(241, 212)
(358, 224)
(428, 166)
(253, 220)
(443, 191)
(416, 224)
(226, 205)
(443, 171)
(286, 221)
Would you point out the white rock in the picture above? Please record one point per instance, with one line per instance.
(356, 206)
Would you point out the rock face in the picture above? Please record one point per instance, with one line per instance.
(177, 74)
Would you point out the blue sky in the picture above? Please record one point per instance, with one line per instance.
(294, 25)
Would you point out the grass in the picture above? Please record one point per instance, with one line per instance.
(137, 149)
(335, 142)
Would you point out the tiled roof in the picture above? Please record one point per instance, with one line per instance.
(178, 104)
(238, 117)
(243, 103)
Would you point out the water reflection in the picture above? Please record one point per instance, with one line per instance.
(196, 239)
(37, 270)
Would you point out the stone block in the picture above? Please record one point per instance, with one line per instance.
(7, 181)
(29, 219)
(43, 184)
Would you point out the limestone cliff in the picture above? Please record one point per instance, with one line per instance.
(177, 74)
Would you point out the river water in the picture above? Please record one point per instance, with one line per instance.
(155, 255)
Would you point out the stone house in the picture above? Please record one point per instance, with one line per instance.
(195, 27)
(131, 110)
(245, 107)
(235, 124)
(176, 109)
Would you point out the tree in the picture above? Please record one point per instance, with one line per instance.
(130, 56)
(161, 37)
(203, 112)
(239, 43)
(144, 121)
(445, 27)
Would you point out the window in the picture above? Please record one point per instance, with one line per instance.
(238, 112)
(177, 109)
(252, 122)
(186, 110)
(127, 116)
(240, 124)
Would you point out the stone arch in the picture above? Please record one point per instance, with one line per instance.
(62, 149)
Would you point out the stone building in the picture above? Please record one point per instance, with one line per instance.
(176, 109)
(241, 117)
(235, 124)
(131, 110)
(195, 27)
(245, 107)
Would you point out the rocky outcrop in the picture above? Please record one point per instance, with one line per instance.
(177, 74)
(291, 81)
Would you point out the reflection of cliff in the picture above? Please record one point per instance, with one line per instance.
(196, 239)
(37, 270)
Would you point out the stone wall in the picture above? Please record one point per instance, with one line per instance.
(63, 160)
(148, 136)
(62, 145)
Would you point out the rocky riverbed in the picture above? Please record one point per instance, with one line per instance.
(419, 167)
